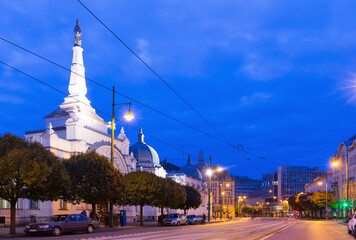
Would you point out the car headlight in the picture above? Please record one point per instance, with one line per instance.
(43, 226)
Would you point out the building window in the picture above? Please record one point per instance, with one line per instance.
(62, 205)
(33, 204)
(4, 203)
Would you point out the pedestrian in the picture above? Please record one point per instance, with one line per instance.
(204, 218)
(84, 213)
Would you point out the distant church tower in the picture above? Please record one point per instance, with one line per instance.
(201, 159)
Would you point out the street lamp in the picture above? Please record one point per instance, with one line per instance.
(128, 117)
(219, 169)
(209, 172)
(334, 164)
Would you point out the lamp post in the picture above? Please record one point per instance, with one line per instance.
(219, 169)
(209, 173)
(128, 117)
(227, 199)
(334, 164)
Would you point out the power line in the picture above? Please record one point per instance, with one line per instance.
(60, 91)
(155, 73)
(121, 94)
(108, 115)
(239, 147)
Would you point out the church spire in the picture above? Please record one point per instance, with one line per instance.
(78, 33)
(201, 159)
(141, 136)
(77, 85)
(189, 160)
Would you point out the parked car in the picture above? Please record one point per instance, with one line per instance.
(195, 219)
(64, 223)
(351, 226)
(175, 219)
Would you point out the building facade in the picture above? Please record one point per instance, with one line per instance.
(292, 180)
(346, 157)
(244, 186)
(320, 183)
(269, 189)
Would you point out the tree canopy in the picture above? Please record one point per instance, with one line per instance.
(141, 189)
(169, 194)
(93, 179)
(28, 170)
(193, 199)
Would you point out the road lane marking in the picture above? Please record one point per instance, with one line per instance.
(276, 231)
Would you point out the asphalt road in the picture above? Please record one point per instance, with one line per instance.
(257, 229)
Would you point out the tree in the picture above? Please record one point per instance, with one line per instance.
(93, 179)
(193, 199)
(140, 190)
(30, 171)
(169, 194)
(319, 199)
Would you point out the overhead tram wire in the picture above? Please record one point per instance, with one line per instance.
(157, 75)
(98, 110)
(249, 160)
(121, 94)
(259, 157)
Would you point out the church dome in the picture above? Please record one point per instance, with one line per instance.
(190, 170)
(145, 155)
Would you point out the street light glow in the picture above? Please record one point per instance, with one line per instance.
(219, 169)
(209, 172)
(319, 183)
(128, 116)
(335, 163)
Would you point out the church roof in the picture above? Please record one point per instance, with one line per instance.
(59, 112)
(145, 155)
(190, 170)
(170, 167)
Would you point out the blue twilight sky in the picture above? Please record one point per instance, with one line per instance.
(273, 75)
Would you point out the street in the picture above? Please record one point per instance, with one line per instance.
(257, 229)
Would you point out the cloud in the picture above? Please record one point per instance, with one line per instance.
(255, 98)
(263, 68)
(9, 98)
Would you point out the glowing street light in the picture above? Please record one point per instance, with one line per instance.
(128, 116)
(335, 163)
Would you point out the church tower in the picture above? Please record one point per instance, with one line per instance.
(75, 115)
(201, 159)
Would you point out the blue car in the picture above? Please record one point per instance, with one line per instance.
(64, 223)
(195, 219)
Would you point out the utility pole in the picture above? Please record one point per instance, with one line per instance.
(347, 181)
(111, 205)
(209, 189)
(221, 195)
(326, 194)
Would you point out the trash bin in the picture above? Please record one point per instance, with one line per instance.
(122, 218)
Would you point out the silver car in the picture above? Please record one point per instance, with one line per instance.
(175, 219)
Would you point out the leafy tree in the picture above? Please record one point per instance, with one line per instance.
(319, 199)
(93, 179)
(193, 199)
(141, 190)
(30, 171)
(169, 194)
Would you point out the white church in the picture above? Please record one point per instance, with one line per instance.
(75, 127)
